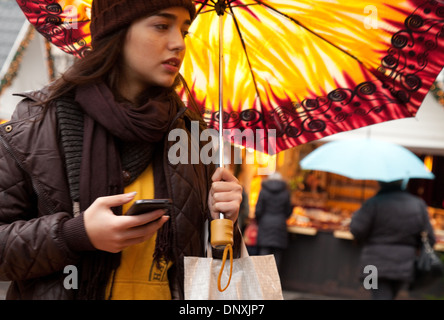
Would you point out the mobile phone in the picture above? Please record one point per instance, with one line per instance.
(147, 205)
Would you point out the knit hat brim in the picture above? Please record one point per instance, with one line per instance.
(109, 16)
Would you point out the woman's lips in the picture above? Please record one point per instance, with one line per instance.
(172, 65)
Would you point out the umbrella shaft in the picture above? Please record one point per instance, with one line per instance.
(221, 95)
(221, 92)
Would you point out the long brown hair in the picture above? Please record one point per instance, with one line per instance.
(103, 63)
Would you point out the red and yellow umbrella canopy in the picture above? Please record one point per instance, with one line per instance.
(63, 22)
(306, 69)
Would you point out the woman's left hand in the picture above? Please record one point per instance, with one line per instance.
(225, 195)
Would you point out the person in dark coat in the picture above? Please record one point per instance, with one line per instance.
(273, 208)
(388, 227)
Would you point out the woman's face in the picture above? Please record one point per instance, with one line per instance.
(154, 49)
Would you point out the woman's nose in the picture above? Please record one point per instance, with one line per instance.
(177, 42)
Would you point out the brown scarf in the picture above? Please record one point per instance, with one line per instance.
(106, 121)
(106, 124)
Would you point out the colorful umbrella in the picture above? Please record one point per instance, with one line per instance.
(306, 69)
(367, 159)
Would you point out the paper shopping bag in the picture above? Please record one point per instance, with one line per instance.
(253, 278)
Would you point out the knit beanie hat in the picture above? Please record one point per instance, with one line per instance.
(108, 16)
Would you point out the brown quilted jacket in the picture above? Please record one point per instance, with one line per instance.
(35, 204)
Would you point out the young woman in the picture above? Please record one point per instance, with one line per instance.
(79, 152)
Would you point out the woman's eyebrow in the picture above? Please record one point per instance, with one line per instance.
(171, 17)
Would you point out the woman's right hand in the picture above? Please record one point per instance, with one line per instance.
(108, 232)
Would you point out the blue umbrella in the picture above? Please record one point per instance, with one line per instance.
(367, 159)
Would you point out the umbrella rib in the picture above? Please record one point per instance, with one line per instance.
(241, 5)
(307, 28)
(204, 4)
(248, 59)
(245, 49)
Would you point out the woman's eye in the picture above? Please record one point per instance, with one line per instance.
(162, 26)
(185, 33)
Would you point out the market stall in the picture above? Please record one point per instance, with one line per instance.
(323, 257)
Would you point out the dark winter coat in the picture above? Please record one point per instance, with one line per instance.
(388, 226)
(273, 208)
(35, 205)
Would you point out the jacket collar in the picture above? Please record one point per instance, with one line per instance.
(35, 95)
